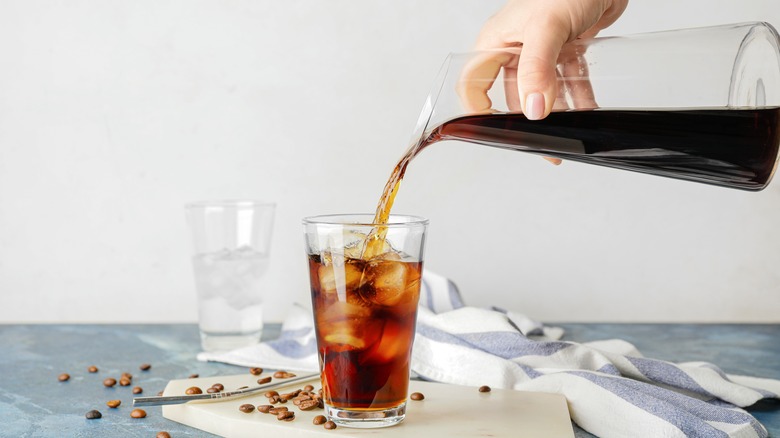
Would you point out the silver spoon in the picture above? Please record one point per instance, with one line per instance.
(179, 399)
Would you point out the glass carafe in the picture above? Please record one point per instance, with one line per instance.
(695, 104)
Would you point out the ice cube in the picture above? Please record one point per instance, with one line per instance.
(346, 325)
(386, 281)
(339, 276)
(341, 310)
(394, 343)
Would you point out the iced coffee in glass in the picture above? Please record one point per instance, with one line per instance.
(365, 285)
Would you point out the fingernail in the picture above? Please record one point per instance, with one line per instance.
(534, 106)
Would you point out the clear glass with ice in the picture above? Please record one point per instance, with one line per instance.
(231, 242)
(365, 285)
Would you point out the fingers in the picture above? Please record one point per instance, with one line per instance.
(536, 74)
(477, 77)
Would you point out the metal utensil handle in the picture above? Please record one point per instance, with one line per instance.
(179, 399)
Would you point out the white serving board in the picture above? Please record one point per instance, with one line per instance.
(448, 410)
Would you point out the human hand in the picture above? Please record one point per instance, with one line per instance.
(542, 27)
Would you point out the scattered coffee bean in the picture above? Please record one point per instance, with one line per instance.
(159, 394)
(265, 408)
(163, 435)
(308, 388)
(270, 394)
(125, 382)
(109, 382)
(283, 375)
(92, 369)
(93, 415)
(64, 377)
(192, 390)
(417, 396)
(137, 390)
(193, 376)
(289, 396)
(285, 415)
(278, 409)
(484, 388)
(329, 425)
(138, 413)
(307, 405)
(147, 367)
(113, 403)
(264, 380)
(247, 408)
(319, 419)
(127, 376)
(212, 390)
(255, 371)
(218, 386)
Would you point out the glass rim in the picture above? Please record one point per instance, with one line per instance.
(228, 203)
(354, 220)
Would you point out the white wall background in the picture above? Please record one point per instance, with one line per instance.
(113, 114)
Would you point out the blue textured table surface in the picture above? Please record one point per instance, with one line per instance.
(33, 403)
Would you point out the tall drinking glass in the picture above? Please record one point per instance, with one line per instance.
(365, 312)
(231, 241)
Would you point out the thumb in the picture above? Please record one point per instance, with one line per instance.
(536, 77)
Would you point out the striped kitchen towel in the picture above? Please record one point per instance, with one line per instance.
(612, 390)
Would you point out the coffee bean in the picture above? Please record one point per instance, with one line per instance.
(300, 398)
(159, 394)
(283, 375)
(64, 377)
(113, 403)
(484, 388)
(329, 425)
(92, 369)
(213, 390)
(264, 380)
(125, 382)
(265, 408)
(109, 382)
(138, 413)
(319, 419)
(193, 376)
(270, 394)
(308, 388)
(163, 435)
(285, 415)
(146, 367)
(308, 405)
(137, 390)
(278, 409)
(417, 396)
(127, 376)
(192, 390)
(289, 395)
(247, 408)
(93, 415)
(255, 371)
(218, 386)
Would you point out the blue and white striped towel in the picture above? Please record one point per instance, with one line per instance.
(611, 389)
